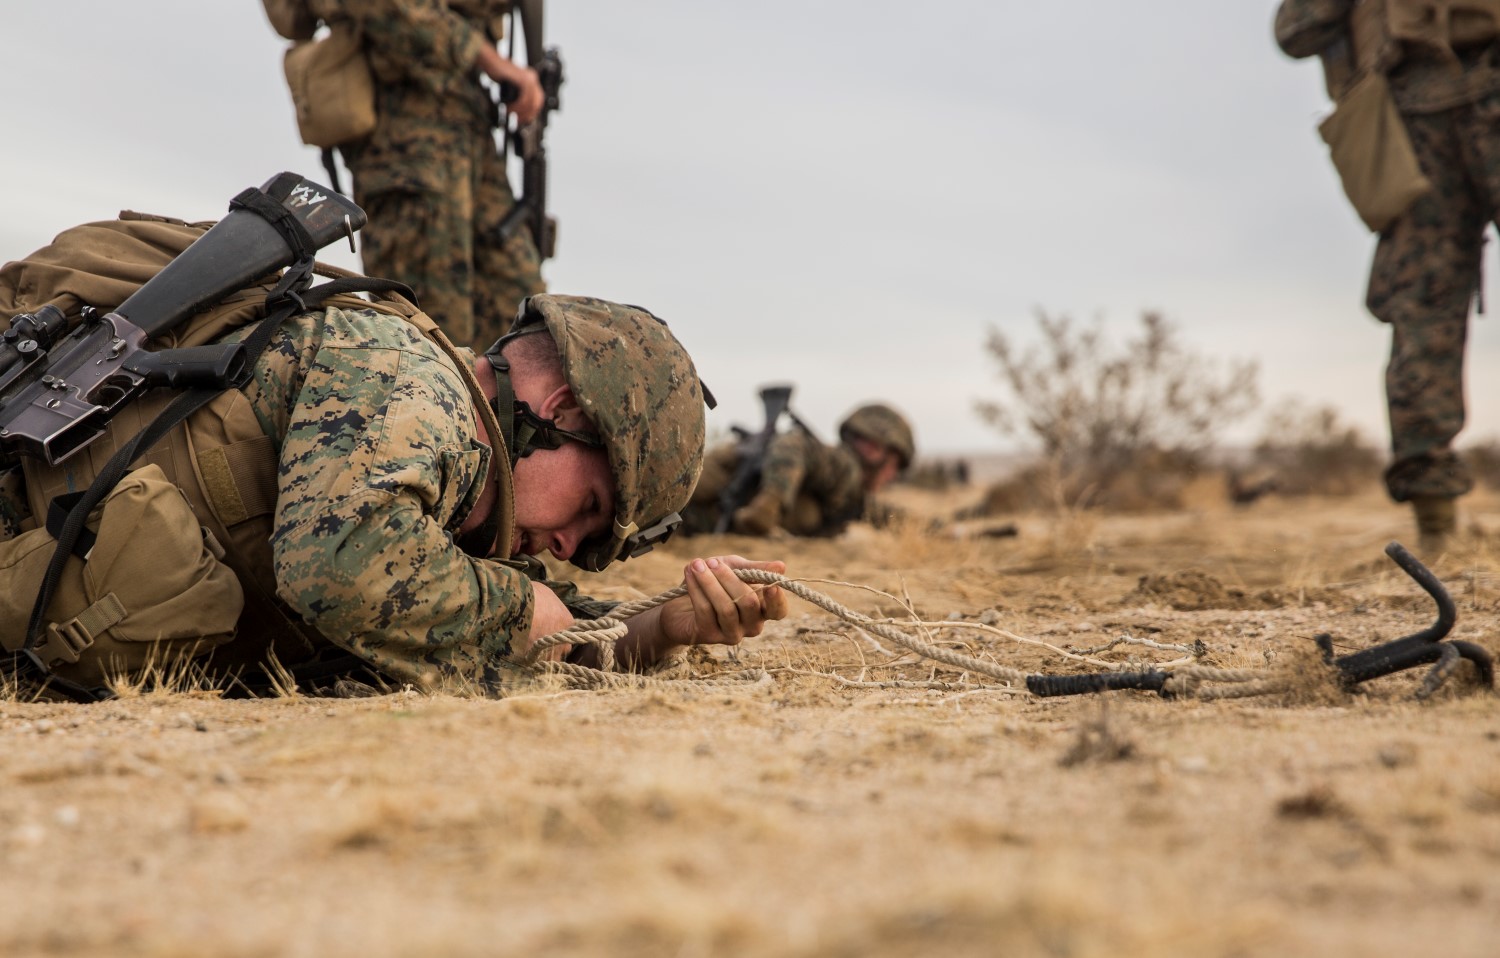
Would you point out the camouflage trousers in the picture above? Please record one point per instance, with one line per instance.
(819, 489)
(442, 241)
(796, 462)
(1424, 277)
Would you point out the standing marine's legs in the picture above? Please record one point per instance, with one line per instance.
(420, 232)
(1425, 273)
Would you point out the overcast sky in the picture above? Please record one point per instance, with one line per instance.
(843, 194)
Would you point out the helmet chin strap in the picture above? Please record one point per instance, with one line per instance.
(525, 431)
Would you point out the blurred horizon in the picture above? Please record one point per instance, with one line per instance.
(843, 196)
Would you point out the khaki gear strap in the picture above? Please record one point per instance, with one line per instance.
(503, 514)
(238, 477)
(66, 641)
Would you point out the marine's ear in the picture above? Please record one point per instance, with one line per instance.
(562, 407)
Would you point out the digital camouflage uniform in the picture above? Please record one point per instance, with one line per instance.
(819, 489)
(430, 177)
(329, 487)
(1426, 269)
(816, 489)
(377, 467)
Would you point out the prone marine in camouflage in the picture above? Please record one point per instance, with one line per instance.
(1426, 269)
(808, 488)
(384, 466)
(378, 465)
(430, 178)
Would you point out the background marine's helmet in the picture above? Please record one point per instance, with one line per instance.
(639, 387)
(880, 423)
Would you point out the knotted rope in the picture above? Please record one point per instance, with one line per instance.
(604, 632)
(1177, 678)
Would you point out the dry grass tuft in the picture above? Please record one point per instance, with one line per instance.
(162, 675)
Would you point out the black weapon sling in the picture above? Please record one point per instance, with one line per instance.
(67, 515)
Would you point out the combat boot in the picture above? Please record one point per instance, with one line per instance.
(1437, 521)
(759, 517)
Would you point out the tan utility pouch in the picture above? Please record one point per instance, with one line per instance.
(291, 18)
(332, 88)
(1372, 152)
(151, 592)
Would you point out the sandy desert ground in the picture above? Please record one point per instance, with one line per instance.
(858, 800)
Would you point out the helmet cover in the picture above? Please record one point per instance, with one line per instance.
(880, 423)
(638, 386)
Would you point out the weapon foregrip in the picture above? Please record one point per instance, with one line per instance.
(216, 366)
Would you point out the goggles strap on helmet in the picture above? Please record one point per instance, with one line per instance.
(533, 432)
(525, 431)
(504, 402)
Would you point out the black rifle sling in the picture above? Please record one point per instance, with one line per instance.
(331, 167)
(73, 527)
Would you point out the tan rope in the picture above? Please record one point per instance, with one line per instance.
(604, 632)
(1186, 678)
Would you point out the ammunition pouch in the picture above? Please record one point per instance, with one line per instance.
(1370, 148)
(149, 590)
(1384, 32)
(1441, 24)
(292, 19)
(332, 88)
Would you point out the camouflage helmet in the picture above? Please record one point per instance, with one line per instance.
(639, 387)
(880, 423)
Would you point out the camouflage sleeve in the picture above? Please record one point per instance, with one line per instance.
(378, 462)
(416, 39)
(837, 481)
(1305, 28)
(788, 456)
(582, 606)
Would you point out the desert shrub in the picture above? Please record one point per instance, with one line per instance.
(1120, 426)
(1311, 451)
(1483, 458)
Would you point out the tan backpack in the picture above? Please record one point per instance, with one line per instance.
(128, 605)
(124, 605)
(292, 19)
(215, 474)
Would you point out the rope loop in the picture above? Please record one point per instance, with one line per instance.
(1180, 678)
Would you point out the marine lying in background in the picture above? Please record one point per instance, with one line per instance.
(788, 480)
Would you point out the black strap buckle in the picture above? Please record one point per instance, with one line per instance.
(26, 667)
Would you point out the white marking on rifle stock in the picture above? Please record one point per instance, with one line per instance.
(305, 195)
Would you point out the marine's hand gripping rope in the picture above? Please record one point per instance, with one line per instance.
(606, 631)
(1170, 681)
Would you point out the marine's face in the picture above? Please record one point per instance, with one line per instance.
(882, 463)
(563, 496)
